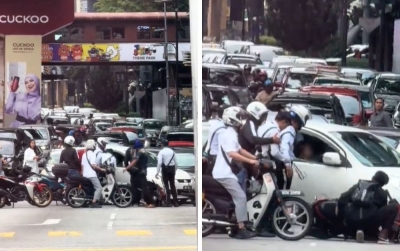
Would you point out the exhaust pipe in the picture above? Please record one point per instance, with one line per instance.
(216, 222)
(4, 193)
(77, 199)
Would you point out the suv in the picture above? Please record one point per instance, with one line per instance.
(174, 134)
(44, 135)
(328, 106)
(386, 86)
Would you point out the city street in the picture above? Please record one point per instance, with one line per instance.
(109, 228)
(223, 242)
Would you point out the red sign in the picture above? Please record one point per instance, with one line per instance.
(32, 17)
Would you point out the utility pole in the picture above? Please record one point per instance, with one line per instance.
(381, 62)
(345, 27)
(178, 109)
(243, 20)
(166, 59)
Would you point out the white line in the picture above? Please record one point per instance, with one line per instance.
(112, 217)
(47, 222)
(110, 225)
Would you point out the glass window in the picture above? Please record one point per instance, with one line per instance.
(69, 34)
(152, 159)
(118, 33)
(389, 141)
(8, 135)
(143, 32)
(369, 150)
(351, 105)
(224, 77)
(103, 127)
(185, 160)
(39, 133)
(132, 136)
(103, 33)
(388, 86)
(184, 33)
(220, 97)
(366, 99)
(54, 158)
(297, 80)
(7, 147)
(334, 81)
(153, 125)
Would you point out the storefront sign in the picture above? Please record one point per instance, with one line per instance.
(22, 80)
(127, 52)
(28, 17)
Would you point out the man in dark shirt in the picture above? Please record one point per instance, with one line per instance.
(69, 156)
(380, 118)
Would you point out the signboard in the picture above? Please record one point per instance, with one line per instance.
(2, 65)
(113, 52)
(27, 17)
(22, 80)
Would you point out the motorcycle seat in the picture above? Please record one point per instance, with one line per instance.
(80, 179)
(212, 186)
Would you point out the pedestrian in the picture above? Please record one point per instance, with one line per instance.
(69, 156)
(167, 165)
(89, 170)
(380, 118)
(266, 92)
(135, 162)
(31, 157)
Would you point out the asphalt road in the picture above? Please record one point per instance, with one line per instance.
(223, 242)
(61, 228)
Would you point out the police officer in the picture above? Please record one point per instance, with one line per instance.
(167, 165)
(380, 118)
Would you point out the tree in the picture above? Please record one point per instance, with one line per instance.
(138, 6)
(102, 90)
(302, 24)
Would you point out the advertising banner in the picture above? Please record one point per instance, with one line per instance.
(22, 80)
(2, 65)
(123, 52)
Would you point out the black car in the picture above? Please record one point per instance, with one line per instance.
(328, 106)
(176, 134)
(184, 156)
(122, 138)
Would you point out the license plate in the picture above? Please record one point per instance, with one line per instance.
(187, 188)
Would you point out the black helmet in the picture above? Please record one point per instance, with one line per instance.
(164, 142)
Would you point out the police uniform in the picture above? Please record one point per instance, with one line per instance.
(217, 126)
(288, 137)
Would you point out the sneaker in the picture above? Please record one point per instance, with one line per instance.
(265, 233)
(95, 205)
(360, 236)
(245, 234)
(383, 241)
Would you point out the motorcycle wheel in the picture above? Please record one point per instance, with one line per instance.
(299, 211)
(208, 208)
(42, 198)
(122, 196)
(75, 192)
(2, 202)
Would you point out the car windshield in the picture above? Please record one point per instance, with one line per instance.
(220, 97)
(366, 99)
(185, 160)
(297, 80)
(351, 105)
(390, 86)
(368, 149)
(243, 95)
(39, 133)
(103, 127)
(6, 147)
(54, 158)
(391, 142)
(244, 60)
(8, 135)
(334, 81)
(153, 124)
(189, 137)
(224, 77)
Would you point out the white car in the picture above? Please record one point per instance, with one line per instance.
(343, 155)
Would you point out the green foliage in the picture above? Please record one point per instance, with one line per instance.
(138, 6)
(103, 92)
(302, 24)
(129, 115)
(87, 105)
(268, 41)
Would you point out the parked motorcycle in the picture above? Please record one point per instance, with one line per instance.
(57, 188)
(291, 217)
(24, 187)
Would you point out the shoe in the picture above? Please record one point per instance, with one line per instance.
(95, 205)
(245, 234)
(265, 234)
(383, 241)
(360, 236)
(176, 204)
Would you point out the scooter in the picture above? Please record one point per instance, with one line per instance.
(291, 217)
(78, 196)
(57, 188)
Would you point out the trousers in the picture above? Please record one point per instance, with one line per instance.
(140, 189)
(238, 196)
(168, 179)
(97, 186)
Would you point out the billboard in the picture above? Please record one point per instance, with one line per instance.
(22, 80)
(112, 52)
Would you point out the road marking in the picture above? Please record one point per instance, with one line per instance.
(47, 222)
(190, 231)
(64, 233)
(7, 235)
(183, 248)
(133, 233)
(110, 225)
(112, 217)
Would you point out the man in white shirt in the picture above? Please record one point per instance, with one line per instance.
(90, 166)
(223, 172)
(217, 126)
(166, 163)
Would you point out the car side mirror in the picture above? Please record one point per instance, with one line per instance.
(331, 159)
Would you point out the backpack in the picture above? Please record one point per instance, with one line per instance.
(363, 196)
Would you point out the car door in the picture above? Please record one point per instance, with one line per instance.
(315, 178)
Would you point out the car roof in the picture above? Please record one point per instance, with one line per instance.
(333, 128)
(389, 75)
(328, 89)
(300, 95)
(353, 87)
(222, 66)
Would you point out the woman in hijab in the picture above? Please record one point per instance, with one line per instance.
(25, 105)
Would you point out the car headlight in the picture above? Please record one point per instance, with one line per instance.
(44, 147)
(193, 179)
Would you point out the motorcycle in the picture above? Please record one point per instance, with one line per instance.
(290, 216)
(57, 188)
(80, 190)
(24, 187)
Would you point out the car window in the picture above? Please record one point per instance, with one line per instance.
(334, 81)
(38, 133)
(366, 99)
(388, 86)
(297, 80)
(103, 127)
(224, 77)
(8, 135)
(351, 105)
(391, 142)
(132, 136)
(153, 124)
(220, 97)
(244, 60)
(7, 147)
(185, 160)
(152, 159)
(54, 158)
(368, 149)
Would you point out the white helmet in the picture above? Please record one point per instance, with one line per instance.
(90, 144)
(233, 116)
(300, 113)
(69, 140)
(256, 109)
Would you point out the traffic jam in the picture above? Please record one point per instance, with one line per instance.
(114, 136)
(346, 131)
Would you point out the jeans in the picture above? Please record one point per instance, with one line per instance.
(242, 176)
(97, 186)
(73, 173)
